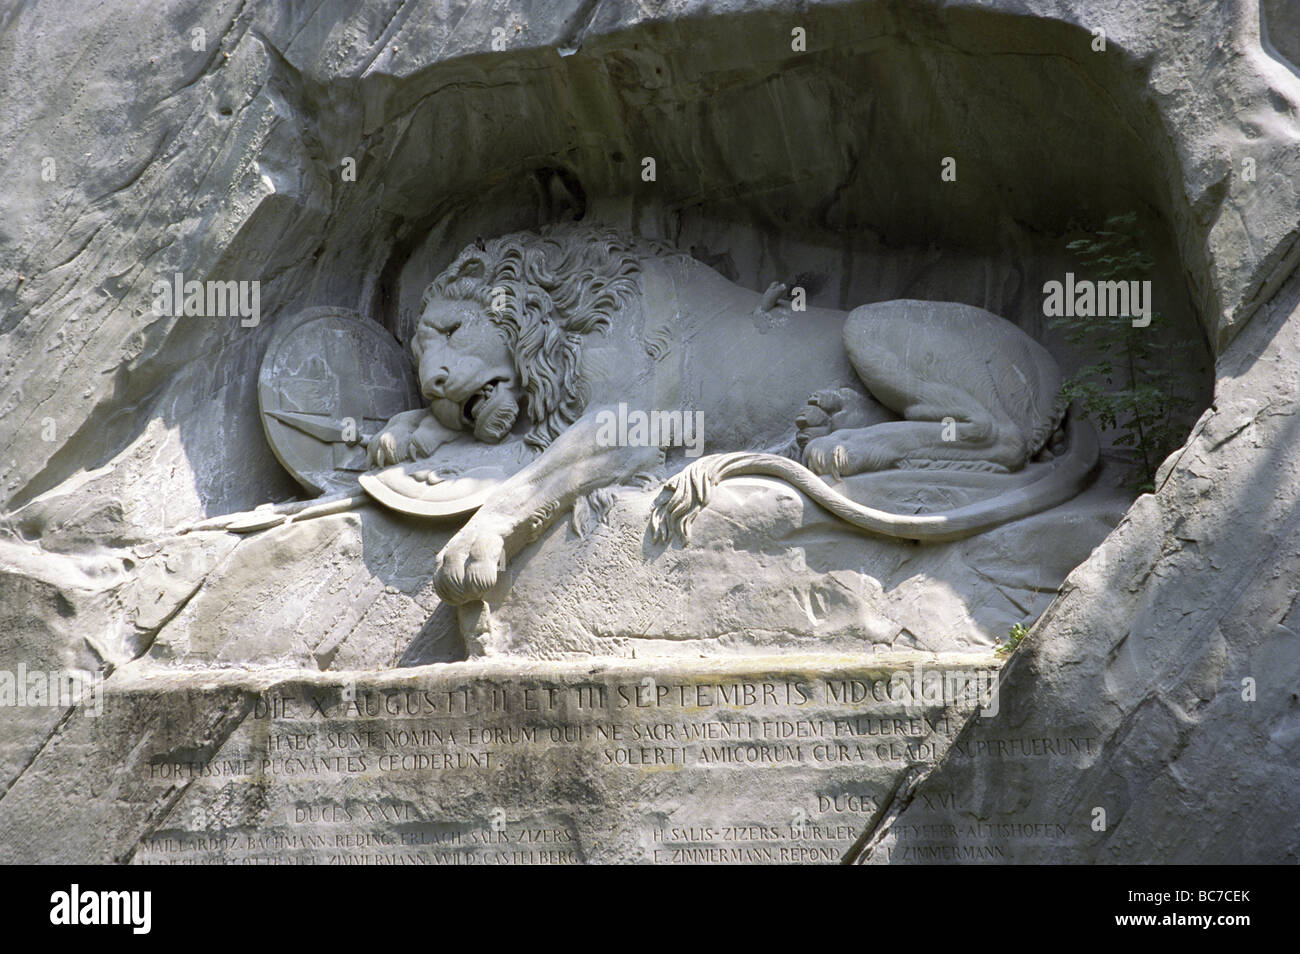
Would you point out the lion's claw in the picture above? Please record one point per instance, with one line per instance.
(390, 445)
(411, 435)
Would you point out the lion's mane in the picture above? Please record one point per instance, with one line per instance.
(555, 286)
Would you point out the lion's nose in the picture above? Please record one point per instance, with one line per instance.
(438, 381)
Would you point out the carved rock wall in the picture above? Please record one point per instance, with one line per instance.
(224, 162)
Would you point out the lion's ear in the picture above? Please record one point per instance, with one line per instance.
(472, 267)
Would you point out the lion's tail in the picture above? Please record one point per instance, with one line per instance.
(688, 492)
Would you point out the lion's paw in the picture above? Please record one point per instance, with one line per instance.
(835, 409)
(411, 435)
(844, 453)
(392, 445)
(382, 449)
(826, 457)
(469, 565)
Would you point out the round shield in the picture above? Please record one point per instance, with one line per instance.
(457, 478)
(329, 381)
(417, 489)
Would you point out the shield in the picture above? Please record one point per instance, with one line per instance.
(331, 379)
(418, 489)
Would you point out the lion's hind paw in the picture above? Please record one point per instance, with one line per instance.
(835, 409)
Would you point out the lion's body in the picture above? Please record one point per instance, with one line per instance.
(692, 342)
(588, 319)
(749, 373)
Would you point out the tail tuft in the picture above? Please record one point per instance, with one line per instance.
(686, 493)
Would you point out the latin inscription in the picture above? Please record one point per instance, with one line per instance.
(563, 770)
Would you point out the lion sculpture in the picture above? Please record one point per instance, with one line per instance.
(540, 337)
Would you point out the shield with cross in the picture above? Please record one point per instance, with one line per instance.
(330, 379)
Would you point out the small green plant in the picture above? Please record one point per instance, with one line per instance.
(1014, 636)
(1135, 385)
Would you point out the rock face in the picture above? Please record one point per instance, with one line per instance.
(865, 151)
(1180, 659)
(769, 572)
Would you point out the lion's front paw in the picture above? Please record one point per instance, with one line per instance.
(382, 449)
(469, 565)
(390, 445)
(397, 441)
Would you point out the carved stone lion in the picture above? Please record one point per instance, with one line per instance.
(547, 337)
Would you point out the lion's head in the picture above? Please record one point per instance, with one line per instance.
(505, 323)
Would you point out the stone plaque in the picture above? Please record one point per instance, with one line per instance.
(784, 762)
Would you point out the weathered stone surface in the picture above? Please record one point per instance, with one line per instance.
(136, 154)
(768, 571)
(1172, 647)
(261, 135)
(351, 591)
(773, 761)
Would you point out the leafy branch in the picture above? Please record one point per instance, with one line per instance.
(1135, 384)
(1017, 633)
